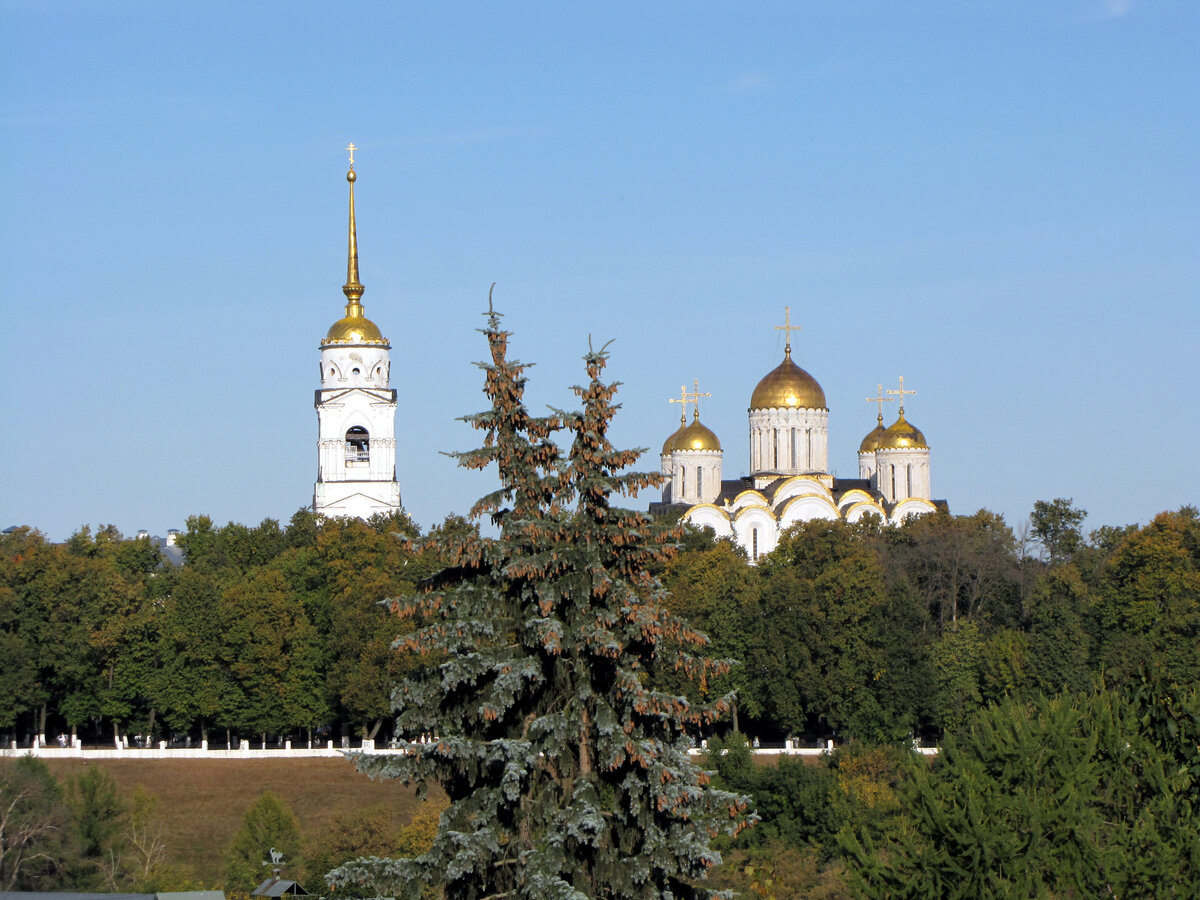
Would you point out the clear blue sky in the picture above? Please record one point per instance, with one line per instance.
(999, 201)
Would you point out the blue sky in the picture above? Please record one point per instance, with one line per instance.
(997, 200)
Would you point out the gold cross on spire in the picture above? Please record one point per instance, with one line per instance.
(683, 400)
(352, 148)
(787, 328)
(901, 394)
(695, 396)
(686, 397)
(880, 399)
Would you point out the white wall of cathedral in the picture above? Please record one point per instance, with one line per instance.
(789, 441)
(347, 366)
(805, 509)
(906, 509)
(694, 476)
(866, 466)
(902, 474)
(710, 517)
(756, 531)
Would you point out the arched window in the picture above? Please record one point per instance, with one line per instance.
(699, 482)
(909, 490)
(793, 448)
(682, 481)
(358, 446)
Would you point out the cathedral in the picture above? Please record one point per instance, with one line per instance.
(790, 479)
(356, 410)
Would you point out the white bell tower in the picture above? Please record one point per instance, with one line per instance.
(356, 410)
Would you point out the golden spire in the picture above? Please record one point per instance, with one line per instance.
(787, 328)
(353, 289)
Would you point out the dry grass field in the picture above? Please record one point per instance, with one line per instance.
(201, 802)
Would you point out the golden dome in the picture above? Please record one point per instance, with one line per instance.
(692, 437)
(788, 386)
(902, 435)
(354, 329)
(872, 441)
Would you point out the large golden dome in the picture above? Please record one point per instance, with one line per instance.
(692, 437)
(872, 441)
(903, 435)
(788, 386)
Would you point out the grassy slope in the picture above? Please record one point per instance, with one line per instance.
(201, 802)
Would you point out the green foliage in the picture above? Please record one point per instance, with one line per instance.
(267, 825)
(1072, 796)
(98, 814)
(35, 838)
(1055, 524)
(567, 770)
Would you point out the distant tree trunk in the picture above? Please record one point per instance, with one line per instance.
(116, 734)
(228, 739)
(734, 709)
(150, 727)
(203, 731)
(374, 729)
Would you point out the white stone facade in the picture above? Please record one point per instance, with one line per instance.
(693, 476)
(356, 442)
(788, 442)
(901, 474)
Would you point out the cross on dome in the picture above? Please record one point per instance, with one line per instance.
(787, 328)
(352, 148)
(880, 399)
(901, 393)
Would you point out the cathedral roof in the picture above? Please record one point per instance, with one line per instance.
(692, 437)
(902, 435)
(871, 442)
(788, 386)
(354, 327)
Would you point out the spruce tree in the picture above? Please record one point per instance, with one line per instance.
(567, 770)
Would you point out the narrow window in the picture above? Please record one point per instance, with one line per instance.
(793, 448)
(358, 446)
(909, 490)
(682, 481)
(754, 543)
(699, 482)
(893, 482)
(775, 448)
(808, 460)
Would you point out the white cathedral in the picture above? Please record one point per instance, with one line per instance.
(356, 410)
(790, 479)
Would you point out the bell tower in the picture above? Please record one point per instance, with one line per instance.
(356, 409)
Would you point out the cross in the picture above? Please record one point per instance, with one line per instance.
(683, 399)
(686, 397)
(787, 327)
(695, 396)
(880, 399)
(901, 394)
(352, 148)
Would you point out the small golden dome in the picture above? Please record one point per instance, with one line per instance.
(692, 437)
(902, 435)
(872, 441)
(788, 386)
(354, 330)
